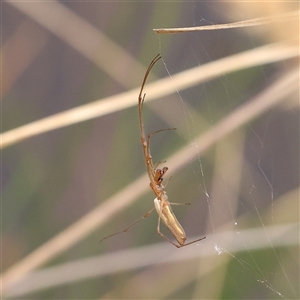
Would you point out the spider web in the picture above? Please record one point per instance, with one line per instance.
(240, 185)
(64, 190)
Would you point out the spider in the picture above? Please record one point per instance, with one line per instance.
(161, 203)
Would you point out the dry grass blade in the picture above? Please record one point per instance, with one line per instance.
(277, 92)
(163, 87)
(125, 260)
(271, 96)
(75, 232)
(84, 37)
(253, 22)
(233, 155)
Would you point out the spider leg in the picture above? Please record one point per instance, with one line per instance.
(162, 235)
(177, 246)
(154, 170)
(192, 242)
(176, 203)
(130, 226)
(141, 99)
(155, 132)
(153, 62)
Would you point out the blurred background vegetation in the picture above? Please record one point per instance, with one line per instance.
(243, 188)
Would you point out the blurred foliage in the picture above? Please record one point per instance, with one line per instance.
(51, 180)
